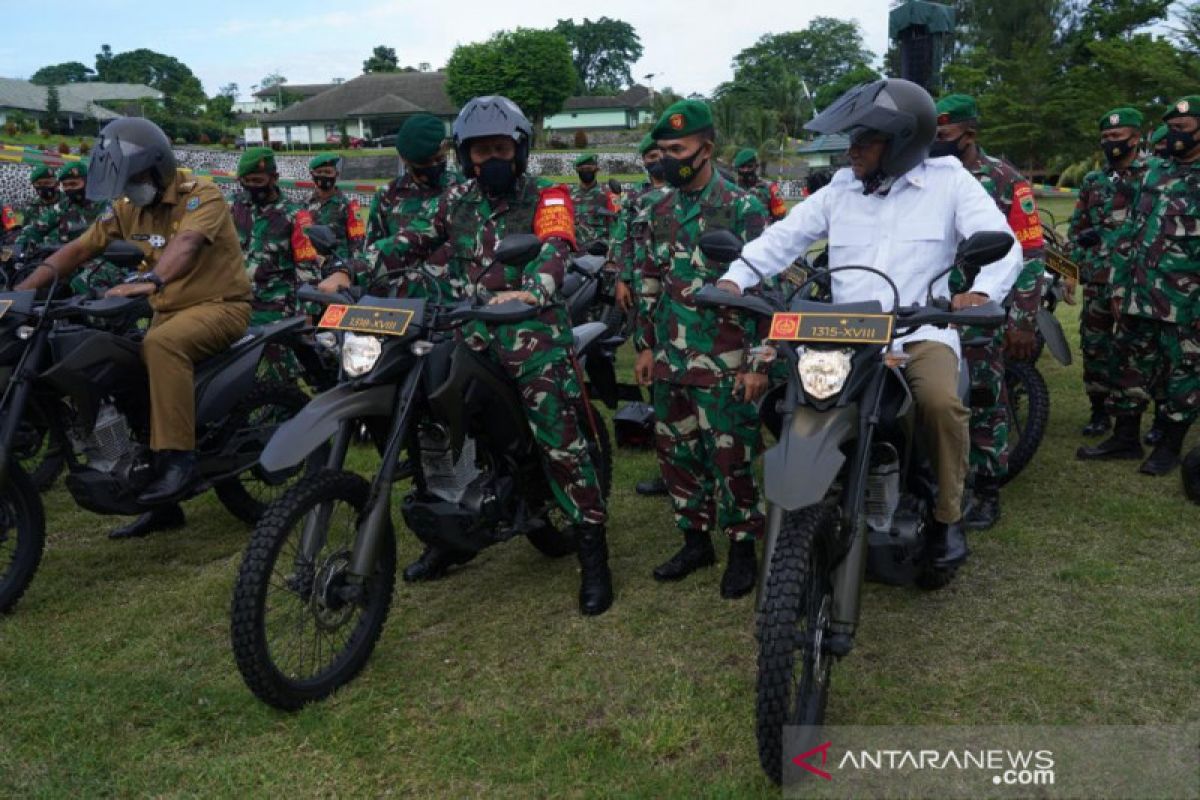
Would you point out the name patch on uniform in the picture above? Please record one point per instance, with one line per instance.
(193, 203)
(157, 241)
(367, 319)
(840, 328)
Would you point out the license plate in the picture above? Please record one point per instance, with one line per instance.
(836, 328)
(5, 305)
(367, 319)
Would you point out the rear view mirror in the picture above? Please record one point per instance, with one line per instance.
(984, 247)
(518, 250)
(125, 255)
(322, 237)
(721, 245)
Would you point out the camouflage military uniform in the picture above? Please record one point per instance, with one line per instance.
(625, 231)
(537, 354)
(340, 213)
(39, 220)
(989, 397)
(596, 214)
(767, 193)
(1103, 205)
(73, 219)
(405, 205)
(706, 438)
(1156, 277)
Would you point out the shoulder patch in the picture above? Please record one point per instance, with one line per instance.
(187, 186)
(193, 203)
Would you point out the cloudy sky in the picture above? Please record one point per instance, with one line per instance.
(689, 45)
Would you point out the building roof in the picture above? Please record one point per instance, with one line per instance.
(421, 91)
(73, 98)
(829, 143)
(385, 105)
(305, 90)
(633, 97)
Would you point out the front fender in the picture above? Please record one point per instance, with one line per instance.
(1052, 332)
(295, 439)
(799, 470)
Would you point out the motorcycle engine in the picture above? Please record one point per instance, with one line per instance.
(110, 442)
(445, 477)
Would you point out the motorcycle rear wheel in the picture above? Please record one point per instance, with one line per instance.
(22, 536)
(1029, 414)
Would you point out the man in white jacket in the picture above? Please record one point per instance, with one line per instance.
(902, 213)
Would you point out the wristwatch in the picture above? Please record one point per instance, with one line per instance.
(146, 277)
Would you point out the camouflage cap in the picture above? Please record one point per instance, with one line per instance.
(745, 156)
(75, 169)
(1159, 134)
(648, 143)
(40, 172)
(420, 137)
(683, 119)
(325, 160)
(256, 159)
(1123, 117)
(586, 158)
(1185, 107)
(956, 108)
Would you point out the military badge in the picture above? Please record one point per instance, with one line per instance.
(1113, 119)
(676, 121)
(1183, 106)
(157, 241)
(193, 203)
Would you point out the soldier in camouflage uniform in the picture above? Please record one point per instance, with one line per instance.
(705, 380)
(1156, 293)
(328, 205)
(40, 217)
(1158, 141)
(596, 209)
(492, 138)
(75, 214)
(958, 128)
(409, 201)
(279, 257)
(767, 192)
(1103, 204)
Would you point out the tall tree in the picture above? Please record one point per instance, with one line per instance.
(603, 52)
(103, 61)
(383, 59)
(530, 67)
(53, 110)
(1189, 27)
(229, 90)
(66, 72)
(181, 89)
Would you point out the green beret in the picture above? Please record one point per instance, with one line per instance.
(256, 159)
(76, 169)
(586, 158)
(39, 172)
(648, 144)
(956, 108)
(1123, 117)
(1186, 107)
(745, 156)
(325, 160)
(1159, 134)
(683, 119)
(420, 138)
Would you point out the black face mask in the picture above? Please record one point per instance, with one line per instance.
(259, 195)
(76, 196)
(48, 194)
(747, 177)
(325, 184)
(1180, 143)
(429, 176)
(497, 176)
(586, 176)
(655, 170)
(1115, 151)
(946, 147)
(680, 172)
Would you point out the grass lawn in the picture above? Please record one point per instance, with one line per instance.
(117, 678)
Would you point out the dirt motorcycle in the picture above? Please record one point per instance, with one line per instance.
(324, 555)
(849, 491)
(80, 377)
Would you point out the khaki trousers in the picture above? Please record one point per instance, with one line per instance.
(175, 342)
(942, 421)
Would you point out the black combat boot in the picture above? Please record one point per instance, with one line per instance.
(697, 552)
(434, 563)
(1122, 445)
(177, 470)
(1099, 423)
(740, 570)
(595, 579)
(947, 545)
(1155, 434)
(163, 518)
(1166, 453)
(984, 512)
(652, 487)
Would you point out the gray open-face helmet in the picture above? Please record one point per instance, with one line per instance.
(899, 109)
(124, 148)
(491, 115)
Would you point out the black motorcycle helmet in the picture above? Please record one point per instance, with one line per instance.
(491, 115)
(124, 148)
(900, 109)
(1191, 475)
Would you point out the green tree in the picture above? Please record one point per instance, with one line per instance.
(53, 110)
(383, 59)
(66, 72)
(530, 67)
(181, 89)
(103, 61)
(1189, 27)
(229, 90)
(603, 52)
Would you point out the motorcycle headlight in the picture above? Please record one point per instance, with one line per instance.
(359, 353)
(823, 372)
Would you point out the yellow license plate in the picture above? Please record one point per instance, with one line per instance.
(832, 328)
(367, 319)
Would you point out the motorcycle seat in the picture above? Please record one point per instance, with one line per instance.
(571, 284)
(584, 335)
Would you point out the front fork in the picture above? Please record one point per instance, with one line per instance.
(16, 396)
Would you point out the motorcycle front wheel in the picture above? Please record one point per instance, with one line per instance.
(22, 536)
(1028, 414)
